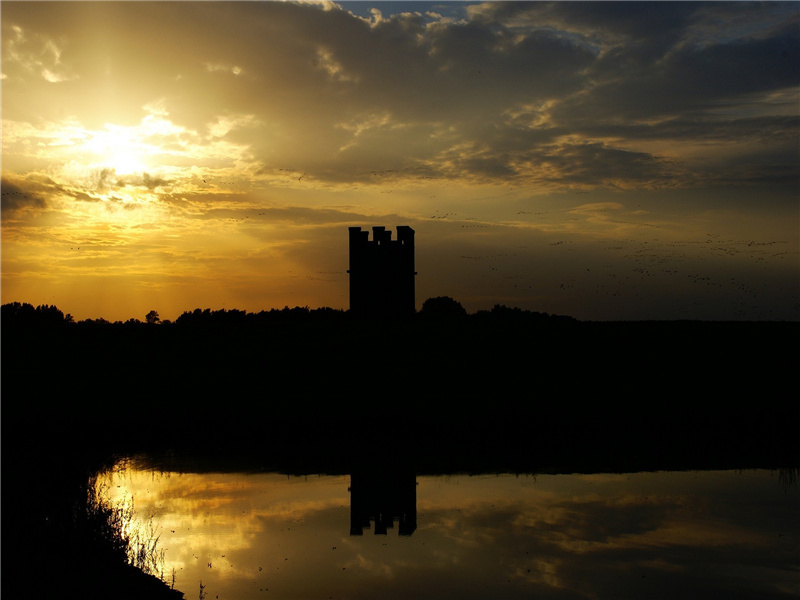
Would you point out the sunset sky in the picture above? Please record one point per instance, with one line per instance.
(601, 160)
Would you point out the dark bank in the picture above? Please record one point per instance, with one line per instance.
(324, 391)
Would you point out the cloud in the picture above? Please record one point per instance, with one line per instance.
(35, 53)
(335, 96)
(102, 178)
(144, 179)
(18, 197)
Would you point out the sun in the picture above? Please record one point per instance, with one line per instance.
(118, 148)
(126, 162)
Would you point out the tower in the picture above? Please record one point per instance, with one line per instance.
(383, 496)
(382, 272)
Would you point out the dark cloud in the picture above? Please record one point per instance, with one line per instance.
(144, 179)
(316, 78)
(16, 197)
(102, 178)
(691, 80)
(738, 68)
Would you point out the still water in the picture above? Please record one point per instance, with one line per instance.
(697, 534)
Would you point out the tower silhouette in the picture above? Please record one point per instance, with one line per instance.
(381, 496)
(382, 273)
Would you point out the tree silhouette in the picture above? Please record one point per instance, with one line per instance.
(152, 317)
(24, 314)
(442, 307)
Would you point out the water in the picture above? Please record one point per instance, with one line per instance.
(695, 534)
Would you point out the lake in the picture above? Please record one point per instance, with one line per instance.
(399, 534)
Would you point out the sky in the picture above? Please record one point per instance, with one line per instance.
(600, 160)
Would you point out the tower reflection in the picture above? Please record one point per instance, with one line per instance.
(382, 497)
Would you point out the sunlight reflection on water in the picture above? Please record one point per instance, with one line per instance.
(638, 535)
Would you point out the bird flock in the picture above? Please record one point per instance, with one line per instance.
(733, 276)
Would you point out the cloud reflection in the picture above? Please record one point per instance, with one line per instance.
(631, 535)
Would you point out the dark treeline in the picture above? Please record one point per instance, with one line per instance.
(231, 370)
(441, 309)
(505, 383)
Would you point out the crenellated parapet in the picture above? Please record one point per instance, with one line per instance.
(382, 272)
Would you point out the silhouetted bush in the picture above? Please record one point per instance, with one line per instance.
(504, 314)
(442, 307)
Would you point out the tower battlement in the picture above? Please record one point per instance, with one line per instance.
(382, 272)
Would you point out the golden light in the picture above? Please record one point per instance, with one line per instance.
(118, 148)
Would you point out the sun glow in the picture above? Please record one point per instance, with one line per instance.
(125, 162)
(118, 148)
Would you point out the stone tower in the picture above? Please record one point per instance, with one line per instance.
(382, 272)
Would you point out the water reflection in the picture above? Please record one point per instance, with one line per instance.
(642, 535)
(380, 497)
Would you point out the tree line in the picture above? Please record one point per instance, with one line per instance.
(438, 309)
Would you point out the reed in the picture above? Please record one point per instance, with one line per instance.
(788, 478)
(113, 528)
